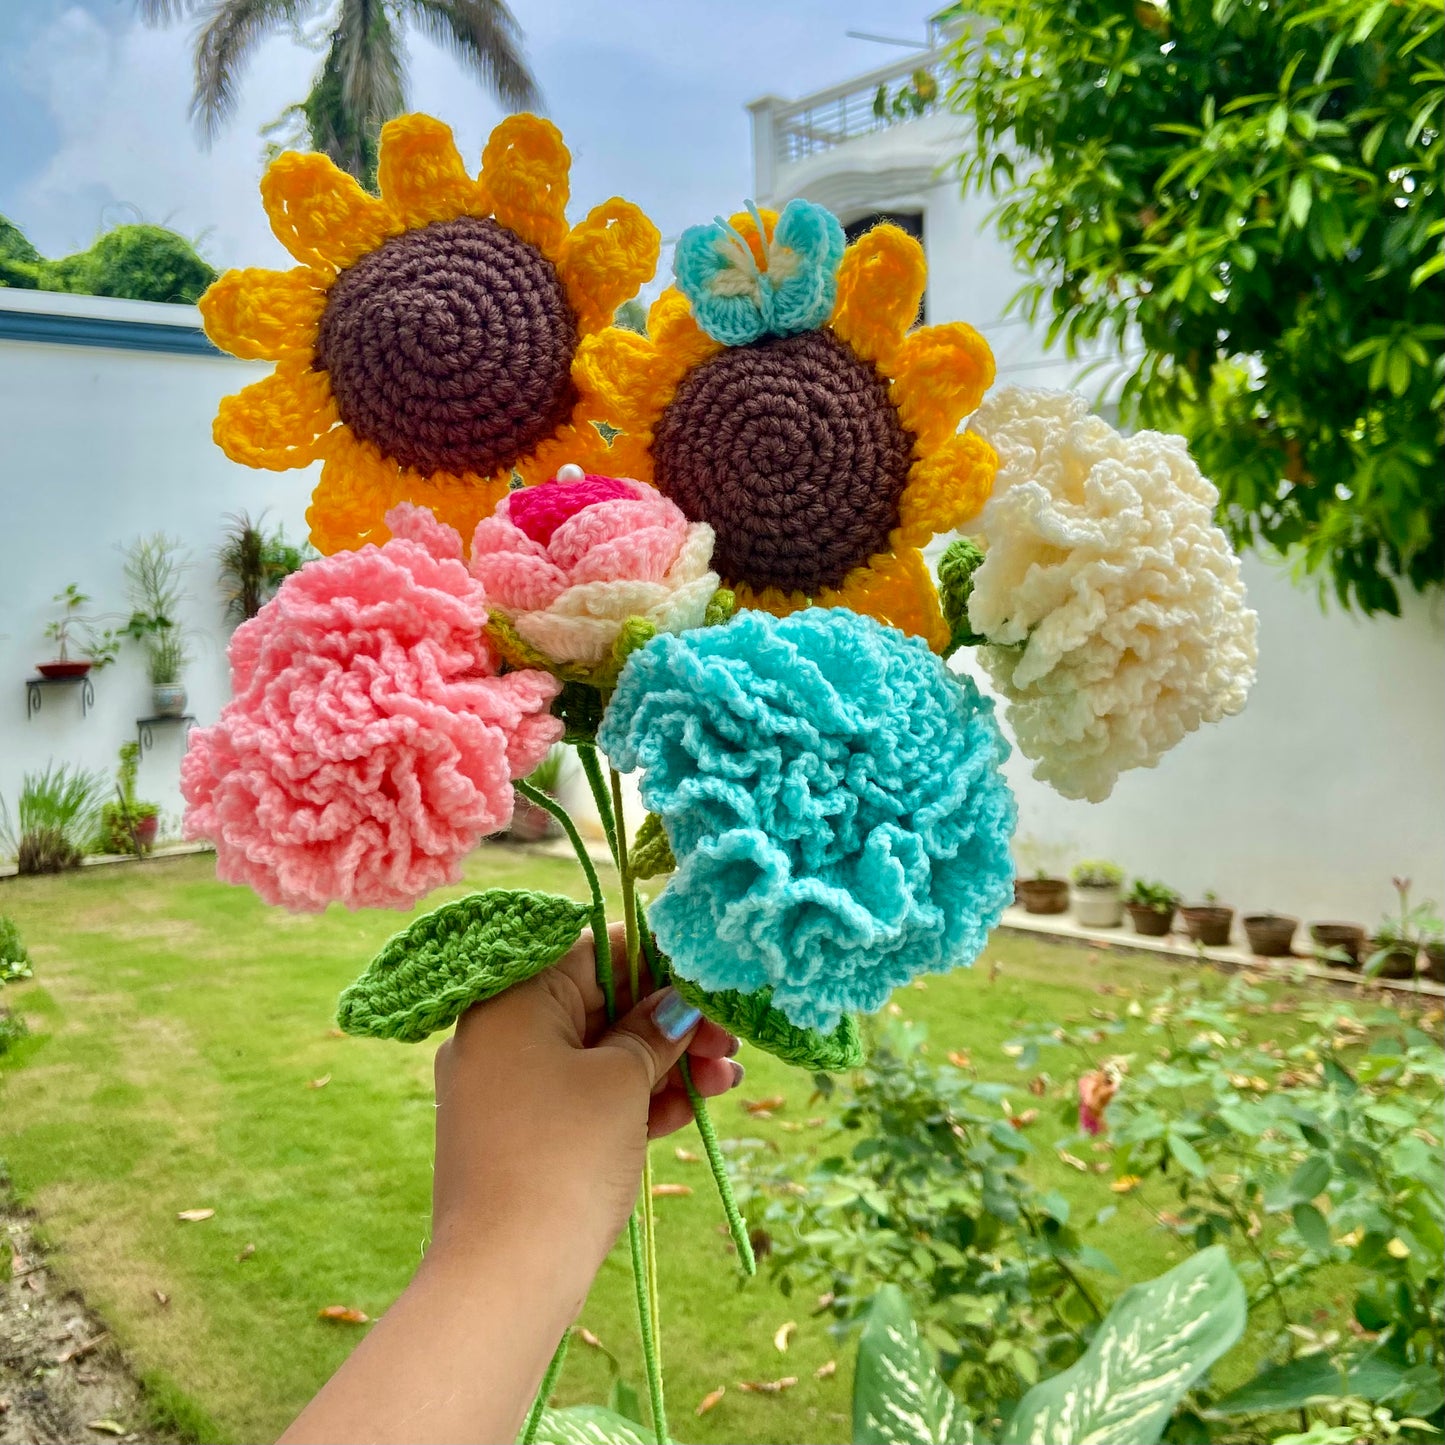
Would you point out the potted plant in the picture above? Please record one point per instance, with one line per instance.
(531, 823)
(1271, 935)
(1435, 956)
(1042, 894)
(1209, 922)
(72, 629)
(1400, 936)
(128, 825)
(254, 562)
(1151, 907)
(1338, 943)
(55, 819)
(1099, 894)
(154, 567)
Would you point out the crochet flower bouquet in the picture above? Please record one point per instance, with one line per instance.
(697, 554)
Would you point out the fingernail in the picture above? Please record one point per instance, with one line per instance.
(674, 1016)
(734, 1044)
(739, 1074)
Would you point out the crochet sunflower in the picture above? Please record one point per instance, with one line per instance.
(782, 396)
(424, 345)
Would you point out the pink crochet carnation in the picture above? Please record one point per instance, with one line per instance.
(571, 562)
(370, 743)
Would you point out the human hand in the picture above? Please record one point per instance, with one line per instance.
(544, 1110)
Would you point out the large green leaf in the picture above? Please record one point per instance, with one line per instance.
(1157, 1340)
(898, 1398)
(456, 956)
(1295, 1383)
(590, 1425)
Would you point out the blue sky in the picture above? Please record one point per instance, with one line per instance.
(649, 93)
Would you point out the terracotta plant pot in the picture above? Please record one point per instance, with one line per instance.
(1271, 935)
(60, 670)
(1341, 938)
(1043, 895)
(1208, 923)
(1435, 961)
(1098, 907)
(1149, 921)
(1399, 959)
(146, 829)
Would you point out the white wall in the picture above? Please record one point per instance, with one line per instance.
(97, 447)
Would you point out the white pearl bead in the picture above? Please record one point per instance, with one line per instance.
(570, 472)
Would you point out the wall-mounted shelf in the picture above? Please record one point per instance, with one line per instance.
(143, 726)
(35, 692)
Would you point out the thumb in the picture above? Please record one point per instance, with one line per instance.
(657, 1032)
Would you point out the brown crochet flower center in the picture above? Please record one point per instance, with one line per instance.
(450, 347)
(792, 451)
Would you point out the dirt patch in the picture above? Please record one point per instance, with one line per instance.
(62, 1378)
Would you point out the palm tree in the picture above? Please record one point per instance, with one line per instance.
(362, 80)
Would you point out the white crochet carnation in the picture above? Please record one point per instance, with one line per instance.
(1112, 604)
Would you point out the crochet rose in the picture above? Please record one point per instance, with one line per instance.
(570, 562)
(370, 743)
(1112, 606)
(833, 798)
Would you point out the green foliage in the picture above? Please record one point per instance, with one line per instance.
(140, 262)
(1302, 1159)
(927, 1189)
(100, 645)
(1410, 926)
(1097, 873)
(1158, 896)
(14, 956)
(254, 562)
(154, 568)
(121, 819)
(1249, 192)
(1156, 1341)
(55, 819)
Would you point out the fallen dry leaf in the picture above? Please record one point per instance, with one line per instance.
(894, 1011)
(195, 1216)
(764, 1106)
(671, 1191)
(246, 1252)
(960, 1059)
(768, 1387)
(106, 1427)
(817, 1121)
(1022, 1121)
(1039, 1085)
(1073, 1161)
(162, 1298)
(782, 1335)
(825, 1302)
(790, 1126)
(826, 1370)
(1126, 1184)
(320, 1083)
(342, 1315)
(335, 1033)
(1013, 1050)
(710, 1400)
(686, 1156)
(79, 1352)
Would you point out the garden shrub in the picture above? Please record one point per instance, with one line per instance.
(14, 964)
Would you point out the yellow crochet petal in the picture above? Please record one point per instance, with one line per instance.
(623, 379)
(358, 485)
(580, 443)
(946, 489)
(278, 422)
(265, 315)
(880, 283)
(676, 334)
(524, 172)
(770, 599)
(320, 214)
(605, 259)
(940, 374)
(895, 588)
(421, 174)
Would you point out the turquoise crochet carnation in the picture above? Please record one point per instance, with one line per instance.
(834, 799)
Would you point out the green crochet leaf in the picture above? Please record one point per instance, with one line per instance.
(651, 853)
(751, 1016)
(720, 607)
(960, 560)
(458, 955)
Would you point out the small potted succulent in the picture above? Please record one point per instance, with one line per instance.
(1271, 935)
(1098, 894)
(1209, 922)
(1151, 907)
(1341, 944)
(1042, 894)
(93, 650)
(1396, 946)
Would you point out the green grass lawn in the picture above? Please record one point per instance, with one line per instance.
(180, 1030)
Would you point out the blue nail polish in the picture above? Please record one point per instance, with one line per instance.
(674, 1016)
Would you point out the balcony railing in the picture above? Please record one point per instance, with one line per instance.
(888, 96)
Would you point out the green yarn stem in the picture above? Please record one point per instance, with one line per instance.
(747, 1260)
(593, 769)
(649, 1339)
(544, 1390)
(601, 940)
